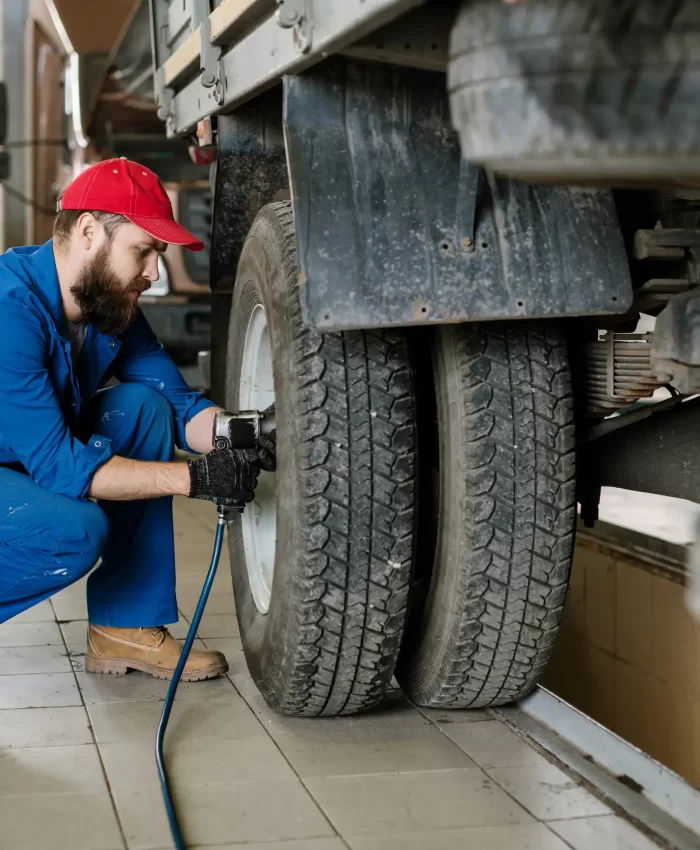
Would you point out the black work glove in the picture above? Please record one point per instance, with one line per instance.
(266, 454)
(267, 447)
(224, 475)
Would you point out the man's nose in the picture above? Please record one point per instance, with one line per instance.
(151, 272)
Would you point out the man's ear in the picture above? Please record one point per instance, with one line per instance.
(86, 230)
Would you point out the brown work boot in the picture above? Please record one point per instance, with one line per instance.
(155, 651)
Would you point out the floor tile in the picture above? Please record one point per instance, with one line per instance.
(523, 836)
(76, 655)
(368, 805)
(231, 646)
(233, 650)
(218, 602)
(43, 691)
(180, 629)
(71, 603)
(51, 770)
(189, 585)
(608, 832)
(342, 751)
(218, 626)
(245, 686)
(140, 687)
(197, 761)
(44, 727)
(18, 660)
(137, 721)
(215, 814)
(548, 792)
(75, 631)
(43, 612)
(193, 557)
(29, 634)
(59, 822)
(189, 509)
(493, 744)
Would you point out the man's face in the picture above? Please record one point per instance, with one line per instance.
(117, 272)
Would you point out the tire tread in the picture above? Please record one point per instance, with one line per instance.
(358, 474)
(516, 452)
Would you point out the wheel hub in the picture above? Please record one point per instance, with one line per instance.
(259, 521)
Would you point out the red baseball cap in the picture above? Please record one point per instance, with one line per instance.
(126, 188)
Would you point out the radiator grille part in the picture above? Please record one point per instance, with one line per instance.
(618, 372)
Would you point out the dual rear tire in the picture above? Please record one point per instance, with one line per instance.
(456, 588)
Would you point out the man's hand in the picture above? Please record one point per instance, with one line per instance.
(266, 453)
(224, 475)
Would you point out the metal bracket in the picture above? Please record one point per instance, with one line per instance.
(210, 63)
(294, 14)
(164, 99)
(209, 54)
(665, 243)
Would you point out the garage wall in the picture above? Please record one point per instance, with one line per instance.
(43, 61)
(20, 20)
(46, 116)
(14, 16)
(629, 652)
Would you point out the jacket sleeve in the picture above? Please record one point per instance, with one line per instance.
(32, 425)
(143, 360)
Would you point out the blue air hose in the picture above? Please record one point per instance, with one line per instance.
(175, 681)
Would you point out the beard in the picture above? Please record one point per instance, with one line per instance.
(104, 300)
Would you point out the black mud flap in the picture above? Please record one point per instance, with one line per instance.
(250, 172)
(394, 228)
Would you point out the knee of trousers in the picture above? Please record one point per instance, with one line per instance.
(81, 539)
(137, 409)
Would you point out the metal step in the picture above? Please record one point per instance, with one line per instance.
(655, 798)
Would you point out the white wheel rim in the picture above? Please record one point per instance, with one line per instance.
(259, 521)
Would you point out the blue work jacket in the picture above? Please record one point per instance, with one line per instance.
(42, 395)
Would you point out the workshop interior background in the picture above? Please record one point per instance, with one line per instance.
(628, 652)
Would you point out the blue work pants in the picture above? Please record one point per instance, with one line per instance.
(48, 541)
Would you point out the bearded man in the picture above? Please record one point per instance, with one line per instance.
(87, 472)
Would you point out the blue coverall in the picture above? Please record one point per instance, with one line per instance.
(57, 427)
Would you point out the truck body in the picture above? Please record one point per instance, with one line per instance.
(461, 258)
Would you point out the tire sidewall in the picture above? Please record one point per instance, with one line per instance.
(262, 280)
(433, 632)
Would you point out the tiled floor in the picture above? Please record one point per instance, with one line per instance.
(77, 769)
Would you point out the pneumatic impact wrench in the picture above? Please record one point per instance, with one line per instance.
(231, 431)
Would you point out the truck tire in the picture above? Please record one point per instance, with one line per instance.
(572, 90)
(498, 577)
(322, 631)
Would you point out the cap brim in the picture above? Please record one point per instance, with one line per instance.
(168, 231)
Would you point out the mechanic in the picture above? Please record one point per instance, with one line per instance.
(87, 472)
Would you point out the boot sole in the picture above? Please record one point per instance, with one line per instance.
(120, 667)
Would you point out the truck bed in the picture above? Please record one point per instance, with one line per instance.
(245, 46)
